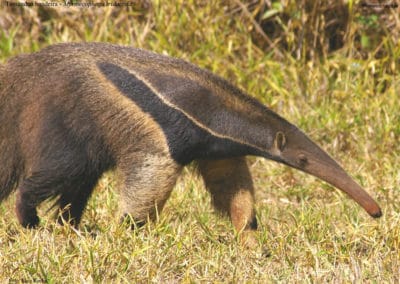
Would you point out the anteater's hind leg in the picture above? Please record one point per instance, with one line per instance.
(26, 206)
(34, 190)
(69, 181)
(72, 203)
(147, 180)
(230, 184)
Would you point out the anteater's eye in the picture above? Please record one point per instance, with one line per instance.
(280, 141)
(302, 160)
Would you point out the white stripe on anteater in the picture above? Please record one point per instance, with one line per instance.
(192, 118)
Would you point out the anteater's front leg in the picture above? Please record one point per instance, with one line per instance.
(147, 180)
(230, 184)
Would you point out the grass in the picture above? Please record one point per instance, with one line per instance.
(348, 105)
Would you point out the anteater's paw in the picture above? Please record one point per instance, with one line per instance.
(132, 222)
(249, 241)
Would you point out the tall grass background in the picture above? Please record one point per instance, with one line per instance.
(330, 67)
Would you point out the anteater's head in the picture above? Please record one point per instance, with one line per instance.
(295, 149)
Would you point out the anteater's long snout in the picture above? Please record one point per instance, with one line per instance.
(341, 180)
(302, 153)
(331, 172)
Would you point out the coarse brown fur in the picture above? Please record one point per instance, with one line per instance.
(73, 111)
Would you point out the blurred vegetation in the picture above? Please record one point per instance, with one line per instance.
(303, 29)
(331, 67)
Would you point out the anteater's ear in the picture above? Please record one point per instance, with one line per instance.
(280, 141)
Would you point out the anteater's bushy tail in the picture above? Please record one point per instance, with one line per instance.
(9, 167)
(9, 173)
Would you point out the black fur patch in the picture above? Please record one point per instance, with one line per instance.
(253, 225)
(186, 140)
